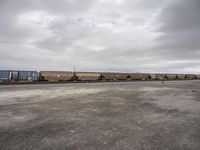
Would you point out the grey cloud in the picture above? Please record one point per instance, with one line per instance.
(54, 44)
(100, 35)
(179, 29)
(66, 6)
(180, 16)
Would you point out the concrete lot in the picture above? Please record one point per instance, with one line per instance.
(128, 116)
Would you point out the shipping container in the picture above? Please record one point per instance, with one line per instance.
(14, 75)
(33, 75)
(28, 75)
(23, 75)
(4, 75)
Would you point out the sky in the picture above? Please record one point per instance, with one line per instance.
(101, 35)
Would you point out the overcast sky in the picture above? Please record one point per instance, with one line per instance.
(100, 35)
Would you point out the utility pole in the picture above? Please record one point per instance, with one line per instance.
(74, 74)
(159, 74)
(74, 69)
(126, 69)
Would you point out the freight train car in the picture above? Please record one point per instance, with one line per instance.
(107, 76)
(87, 76)
(198, 76)
(181, 76)
(164, 77)
(172, 76)
(14, 75)
(147, 76)
(190, 77)
(114, 76)
(155, 76)
(158, 76)
(152, 76)
(56, 75)
(122, 76)
(136, 76)
(140, 76)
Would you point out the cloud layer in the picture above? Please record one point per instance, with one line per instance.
(100, 35)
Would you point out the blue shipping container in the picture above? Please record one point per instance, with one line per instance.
(4, 75)
(28, 75)
(33, 75)
(23, 75)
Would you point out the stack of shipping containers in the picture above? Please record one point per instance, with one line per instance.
(4, 75)
(10, 75)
